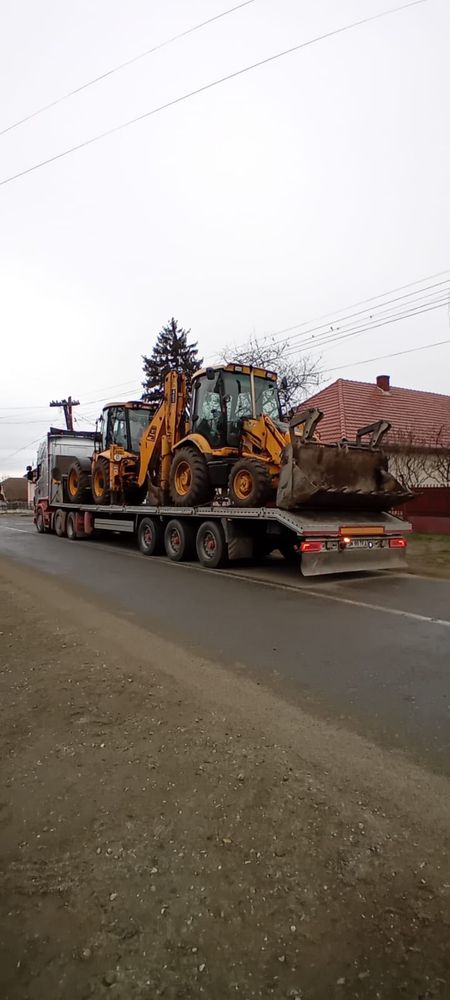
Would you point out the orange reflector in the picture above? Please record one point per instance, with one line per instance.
(311, 546)
(397, 543)
(362, 530)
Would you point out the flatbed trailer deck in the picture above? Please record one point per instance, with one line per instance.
(319, 542)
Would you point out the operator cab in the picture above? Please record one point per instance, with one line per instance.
(123, 424)
(223, 397)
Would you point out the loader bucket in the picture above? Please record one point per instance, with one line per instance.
(348, 476)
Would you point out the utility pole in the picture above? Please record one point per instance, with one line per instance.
(67, 405)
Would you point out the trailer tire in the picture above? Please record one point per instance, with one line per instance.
(179, 540)
(189, 482)
(40, 522)
(150, 536)
(250, 483)
(71, 526)
(101, 491)
(78, 486)
(59, 524)
(211, 546)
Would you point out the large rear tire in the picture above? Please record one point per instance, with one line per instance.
(101, 490)
(249, 484)
(78, 483)
(179, 540)
(189, 482)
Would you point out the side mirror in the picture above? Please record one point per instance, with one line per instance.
(284, 383)
(210, 374)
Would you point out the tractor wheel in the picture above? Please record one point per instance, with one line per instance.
(189, 483)
(249, 484)
(101, 490)
(78, 483)
(135, 495)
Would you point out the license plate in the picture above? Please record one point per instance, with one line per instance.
(364, 543)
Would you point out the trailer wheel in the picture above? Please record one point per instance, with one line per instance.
(79, 482)
(59, 524)
(211, 545)
(71, 526)
(40, 523)
(150, 536)
(250, 483)
(101, 490)
(179, 540)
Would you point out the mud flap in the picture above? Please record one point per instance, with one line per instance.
(352, 561)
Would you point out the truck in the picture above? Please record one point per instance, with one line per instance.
(219, 475)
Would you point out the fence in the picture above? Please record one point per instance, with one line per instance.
(429, 510)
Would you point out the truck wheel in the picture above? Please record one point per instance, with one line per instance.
(78, 483)
(211, 545)
(59, 523)
(189, 483)
(40, 523)
(179, 540)
(249, 484)
(150, 536)
(71, 526)
(101, 490)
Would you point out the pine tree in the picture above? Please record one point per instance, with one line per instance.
(170, 353)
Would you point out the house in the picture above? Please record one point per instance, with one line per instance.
(14, 489)
(418, 443)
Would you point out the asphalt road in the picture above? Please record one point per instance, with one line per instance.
(372, 653)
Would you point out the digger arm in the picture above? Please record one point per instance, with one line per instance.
(164, 429)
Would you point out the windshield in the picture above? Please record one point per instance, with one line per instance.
(238, 388)
(139, 420)
(267, 398)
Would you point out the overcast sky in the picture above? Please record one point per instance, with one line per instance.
(297, 189)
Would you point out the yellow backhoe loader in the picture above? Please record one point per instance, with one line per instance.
(234, 440)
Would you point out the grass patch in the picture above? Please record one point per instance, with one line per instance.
(429, 554)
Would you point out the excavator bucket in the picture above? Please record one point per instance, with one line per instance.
(348, 475)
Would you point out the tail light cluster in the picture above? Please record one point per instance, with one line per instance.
(318, 545)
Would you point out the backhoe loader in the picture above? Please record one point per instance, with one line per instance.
(234, 441)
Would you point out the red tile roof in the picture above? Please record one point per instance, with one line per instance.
(349, 405)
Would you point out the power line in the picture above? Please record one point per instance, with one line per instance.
(23, 448)
(383, 357)
(341, 313)
(123, 65)
(357, 331)
(414, 297)
(209, 86)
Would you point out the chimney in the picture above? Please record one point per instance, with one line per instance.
(383, 382)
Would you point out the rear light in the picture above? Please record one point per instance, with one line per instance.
(397, 543)
(311, 546)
